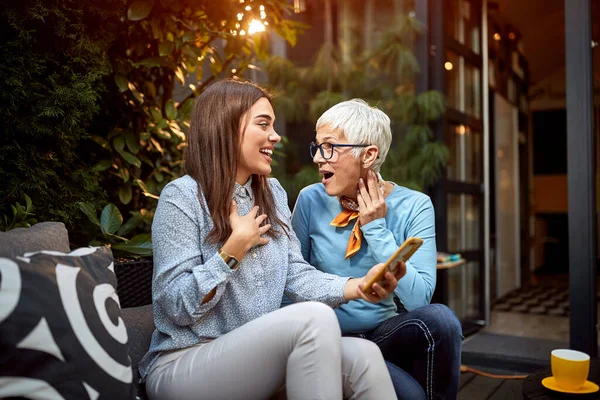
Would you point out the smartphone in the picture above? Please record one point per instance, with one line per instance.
(403, 253)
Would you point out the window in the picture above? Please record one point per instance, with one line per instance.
(462, 23)
(463, 222)
(472, 91)
(463, 288)
(463, 85)
(453, 84)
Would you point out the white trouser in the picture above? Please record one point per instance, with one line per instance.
(299, 346)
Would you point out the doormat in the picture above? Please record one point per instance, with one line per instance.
(542, 300)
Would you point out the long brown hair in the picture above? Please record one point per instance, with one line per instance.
(213, 148)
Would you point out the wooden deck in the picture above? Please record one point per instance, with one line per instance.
(477, 387)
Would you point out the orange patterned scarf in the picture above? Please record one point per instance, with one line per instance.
(349, 213)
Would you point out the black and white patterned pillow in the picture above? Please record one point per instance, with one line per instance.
(61, 331)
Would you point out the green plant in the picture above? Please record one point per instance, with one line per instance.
(383, 76)
(96, 96)
(22, 216)
(52, 62)
(112, 230)
(166, 53)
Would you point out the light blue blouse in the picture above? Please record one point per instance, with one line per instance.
(187, 268)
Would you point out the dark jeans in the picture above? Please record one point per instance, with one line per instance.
(422, 348)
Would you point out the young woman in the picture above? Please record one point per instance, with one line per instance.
(224, 254)
(354, 219)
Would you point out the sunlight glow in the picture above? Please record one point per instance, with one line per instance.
(255, 26)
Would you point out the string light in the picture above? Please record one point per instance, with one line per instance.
(256, 26)
(250, 20)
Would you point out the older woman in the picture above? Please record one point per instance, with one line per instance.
(354, 219)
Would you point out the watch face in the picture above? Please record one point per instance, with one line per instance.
(232, 263)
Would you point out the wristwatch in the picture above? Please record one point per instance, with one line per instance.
(231, 261)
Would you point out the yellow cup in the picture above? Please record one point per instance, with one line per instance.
(570, 368)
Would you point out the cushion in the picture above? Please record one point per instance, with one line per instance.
(140, 325)
(61, 331)
(42, 236)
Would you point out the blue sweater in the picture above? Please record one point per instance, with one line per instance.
(410, 213)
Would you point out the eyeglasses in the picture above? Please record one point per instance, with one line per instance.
(326, 149)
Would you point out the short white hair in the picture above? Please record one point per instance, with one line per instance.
(360, 124)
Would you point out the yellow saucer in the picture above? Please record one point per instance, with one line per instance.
(588, 387)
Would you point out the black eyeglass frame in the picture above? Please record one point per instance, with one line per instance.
(333, 146)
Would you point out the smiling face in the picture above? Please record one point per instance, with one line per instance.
(258, 141)
(342, 171)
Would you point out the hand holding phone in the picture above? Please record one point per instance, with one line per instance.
(403, 253)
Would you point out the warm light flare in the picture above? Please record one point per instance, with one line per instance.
(256, 26)
(448, 65)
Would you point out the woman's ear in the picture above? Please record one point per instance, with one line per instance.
(369, 156)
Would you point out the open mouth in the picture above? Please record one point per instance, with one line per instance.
(267, 152)
(327, 176)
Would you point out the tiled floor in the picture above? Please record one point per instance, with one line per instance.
(529, 325)
(538, 312)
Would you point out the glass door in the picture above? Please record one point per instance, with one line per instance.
(506, 149)
(459, 199)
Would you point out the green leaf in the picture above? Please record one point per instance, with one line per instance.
(170, 109)
(110, 219)
(130, 224)
(90, 212)
(132, 143)
(138, 96)
(157, 31)
(145, 135)
(140, 184)
(146, 160)
(103, 165)
(150, 88)
(123, 173)
(166, 48)
(174, 126)
(185, 109)
(105, 144)
(119, 143)
(161, 133)
(125, 194)
(29, 206)
(140, 245)
(139, 10)
(180, 75)
(156, 114)
(189, 36)
(152, 62)
(130, 158)
(121, 82)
